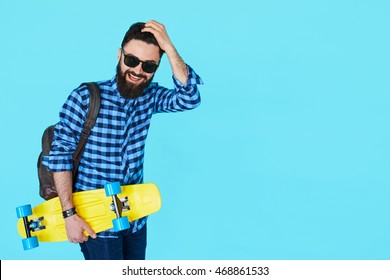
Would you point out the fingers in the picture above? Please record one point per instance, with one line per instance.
(75, 228)
(78, 237)
(156, 28)
(154, 25)
(81, 238)
(159, 32)
(89, 231)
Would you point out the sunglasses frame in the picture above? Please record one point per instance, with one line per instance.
(144, 65)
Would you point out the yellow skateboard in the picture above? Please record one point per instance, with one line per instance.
(111, 207)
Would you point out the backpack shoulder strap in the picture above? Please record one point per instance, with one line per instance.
(94, 107)
(90, 120)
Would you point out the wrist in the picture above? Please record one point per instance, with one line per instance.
(68, 213)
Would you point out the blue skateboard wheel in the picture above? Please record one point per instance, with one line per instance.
(30, 243)
(121, 224)
(24, 211)
(112, 188)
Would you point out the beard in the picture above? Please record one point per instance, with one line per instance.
(128, 89)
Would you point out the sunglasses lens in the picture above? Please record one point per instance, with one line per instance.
(149, 67)
(131, 61)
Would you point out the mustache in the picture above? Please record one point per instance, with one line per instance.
(135, 74)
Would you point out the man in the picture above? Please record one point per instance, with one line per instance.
(115, 147)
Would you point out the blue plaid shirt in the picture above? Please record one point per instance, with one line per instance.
(115, 148)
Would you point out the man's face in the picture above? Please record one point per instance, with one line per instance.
(132, 81)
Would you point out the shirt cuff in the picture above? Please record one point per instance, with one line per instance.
(58, 163)
(193, 79)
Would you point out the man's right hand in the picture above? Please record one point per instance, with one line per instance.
(75, 228)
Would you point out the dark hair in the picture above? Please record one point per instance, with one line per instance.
(135, 33)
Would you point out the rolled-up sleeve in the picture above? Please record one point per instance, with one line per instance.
(183, 97)
(67, 133)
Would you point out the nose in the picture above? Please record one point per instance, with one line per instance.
(138, 69)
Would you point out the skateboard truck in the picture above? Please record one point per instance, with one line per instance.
(29, 242)
(120, 223)
(35, 225)
(122, 203)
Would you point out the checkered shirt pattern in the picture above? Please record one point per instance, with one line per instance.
(115, 148)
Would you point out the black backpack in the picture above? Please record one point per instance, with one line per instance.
(47, 188)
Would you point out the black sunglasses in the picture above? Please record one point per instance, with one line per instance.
(133, 61)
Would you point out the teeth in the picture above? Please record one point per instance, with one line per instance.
(134, 77)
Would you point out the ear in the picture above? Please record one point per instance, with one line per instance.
(119, 53)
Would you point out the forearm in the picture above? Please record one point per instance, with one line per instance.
(179, 68)
(63, 183)
(75, 225)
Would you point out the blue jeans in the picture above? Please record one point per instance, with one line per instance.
(128, 246)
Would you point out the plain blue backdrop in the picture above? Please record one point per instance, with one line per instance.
(286, 158)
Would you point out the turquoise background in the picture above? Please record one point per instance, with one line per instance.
(286, 158)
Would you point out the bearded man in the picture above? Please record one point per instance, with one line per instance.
(115, 148)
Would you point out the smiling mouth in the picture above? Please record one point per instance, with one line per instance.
(135, 77)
